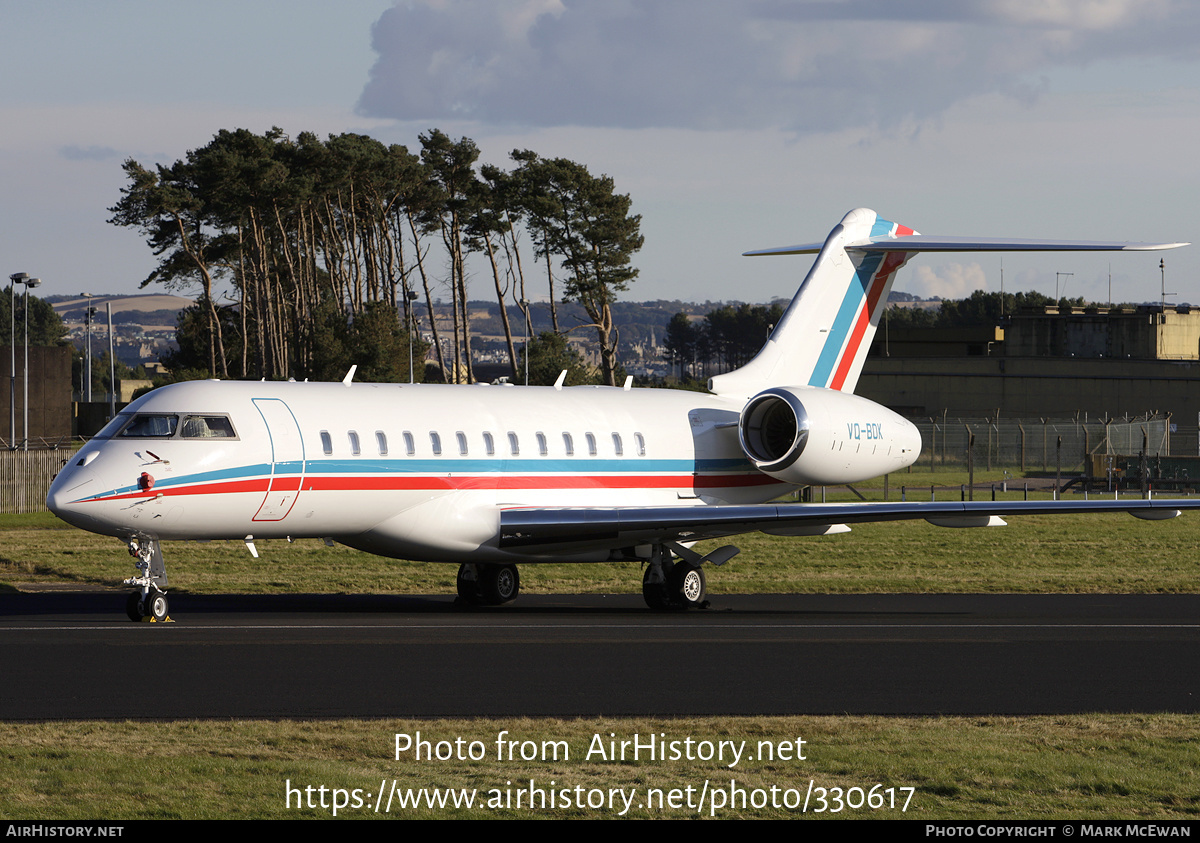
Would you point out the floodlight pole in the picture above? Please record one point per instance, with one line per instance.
(15, 279)
(29, 282)
(87, 375)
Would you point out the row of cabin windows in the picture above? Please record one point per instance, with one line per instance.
(489, 443)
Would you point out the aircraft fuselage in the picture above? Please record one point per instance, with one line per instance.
(423, 471)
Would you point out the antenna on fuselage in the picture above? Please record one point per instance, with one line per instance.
(350, 375)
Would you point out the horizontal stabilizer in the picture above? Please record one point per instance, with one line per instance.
(932, 243)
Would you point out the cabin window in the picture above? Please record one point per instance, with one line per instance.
(381, 442)
(641, 444)
(207, 427)
(489, 444)
(326, 442)
(354, 446)
(436, 441)
(462, 443)
(617, 444)
(410, 444)
(543, 448)
(591, 440)
(568, 444)
(513, 445)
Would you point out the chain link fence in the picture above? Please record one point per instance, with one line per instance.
(1038, 444)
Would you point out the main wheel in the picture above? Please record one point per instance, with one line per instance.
(655, 593)
(687, 585)
(156, 606)
(499, 584)
(133, 606)
(468, 586)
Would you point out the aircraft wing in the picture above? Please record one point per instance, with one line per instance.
(586, 528)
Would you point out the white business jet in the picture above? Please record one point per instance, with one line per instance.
(490, 476)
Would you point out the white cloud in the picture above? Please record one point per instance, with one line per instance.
(948, 281)
(799, 66)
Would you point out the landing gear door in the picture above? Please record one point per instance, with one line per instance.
(287, 460)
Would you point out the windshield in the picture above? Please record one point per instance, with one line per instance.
(207, 427)
(168, 425)
(152, 425)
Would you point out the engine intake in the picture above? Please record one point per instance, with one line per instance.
(774, 429)
(806, 436)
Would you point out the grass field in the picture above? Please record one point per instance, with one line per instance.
(1139, 766)
(1094, 767)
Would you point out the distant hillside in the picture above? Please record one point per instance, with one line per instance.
(162, 308)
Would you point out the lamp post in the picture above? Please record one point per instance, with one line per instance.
(87, 374)
(16, 278)
(29, 282)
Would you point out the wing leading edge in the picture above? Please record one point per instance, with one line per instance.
(591, 528)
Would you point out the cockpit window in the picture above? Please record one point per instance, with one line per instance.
(110, 430)
(168, 425)
(207, 427)
(150, 425)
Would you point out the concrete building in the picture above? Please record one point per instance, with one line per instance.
(50, 408)
(1045, 363)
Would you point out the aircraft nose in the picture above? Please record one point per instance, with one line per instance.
(71, 485)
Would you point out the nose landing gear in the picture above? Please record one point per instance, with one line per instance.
(149, 601)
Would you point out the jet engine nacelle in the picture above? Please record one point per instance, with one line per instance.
(821, 437)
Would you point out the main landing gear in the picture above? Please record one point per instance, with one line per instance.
(488, 584)
(148, 602)
(670, 583)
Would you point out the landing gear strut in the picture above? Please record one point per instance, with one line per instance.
(488, 584)
(149, 601)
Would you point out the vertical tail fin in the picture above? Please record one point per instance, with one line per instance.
(823, 337)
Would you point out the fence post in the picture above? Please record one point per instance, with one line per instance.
(971, 461)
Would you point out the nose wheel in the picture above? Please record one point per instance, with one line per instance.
(148, 602)
(151, 607)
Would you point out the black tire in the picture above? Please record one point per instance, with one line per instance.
(499, 584)
(156, 606)
(655, 593)
(468, 589)
(133, 606)
(688, 586)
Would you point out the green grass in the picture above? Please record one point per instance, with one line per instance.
(1110, 553)
(1131, 767)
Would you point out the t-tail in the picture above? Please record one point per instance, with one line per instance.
(823, 337)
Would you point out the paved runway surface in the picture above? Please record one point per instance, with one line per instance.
(72, 656)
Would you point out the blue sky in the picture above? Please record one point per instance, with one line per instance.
(733, 125)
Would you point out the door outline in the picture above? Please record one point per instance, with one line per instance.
(287, 459)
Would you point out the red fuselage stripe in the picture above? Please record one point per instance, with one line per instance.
(451, 482)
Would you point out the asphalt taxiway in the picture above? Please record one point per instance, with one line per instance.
(76, 655)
